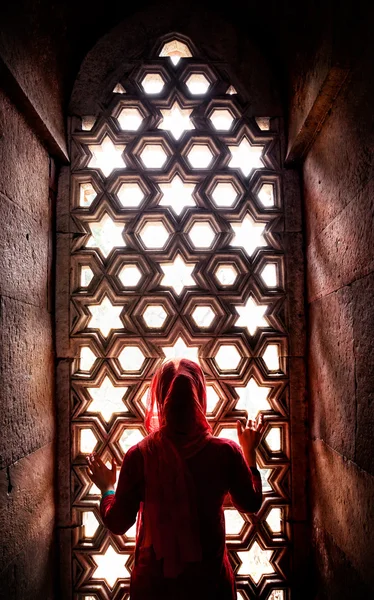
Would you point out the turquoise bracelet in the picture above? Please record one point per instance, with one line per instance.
(108, 493)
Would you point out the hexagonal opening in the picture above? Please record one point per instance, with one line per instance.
(269, 275)
(130, 275)
(154, 234)
(153, 83)
(274, 439)
(202, 235)
(198, 84)
(153, 156)
(200, 156)
(87, 441)
(154, 316)
(130, 195)
(227, 358)
(274, 520)
(86, 276)
(87, 194)
(224, 194)
(203, 316)
(226, 274)
(131, 358)
(222, 119)
(271, 357)
(234, 522)
(266, 194)
(129, 438)
(86, 359)
(130, 119)
(212, 399)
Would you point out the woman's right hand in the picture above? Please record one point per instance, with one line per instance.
(250, 437)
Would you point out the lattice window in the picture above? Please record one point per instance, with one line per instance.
(176, 197)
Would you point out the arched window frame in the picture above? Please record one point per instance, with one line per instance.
(72, 311)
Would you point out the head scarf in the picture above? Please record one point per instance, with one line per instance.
(178, 430)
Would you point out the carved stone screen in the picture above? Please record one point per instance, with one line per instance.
(176, 199)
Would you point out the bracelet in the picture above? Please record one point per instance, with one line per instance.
(107, 493)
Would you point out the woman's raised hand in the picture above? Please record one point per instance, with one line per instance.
(99, 473)
(250, 437)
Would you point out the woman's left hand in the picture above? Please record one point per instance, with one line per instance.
(99, 473)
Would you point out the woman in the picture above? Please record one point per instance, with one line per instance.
(178, 478)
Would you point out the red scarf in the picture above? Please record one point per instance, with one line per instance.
(180, 430)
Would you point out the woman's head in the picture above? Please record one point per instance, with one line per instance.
(177, 397)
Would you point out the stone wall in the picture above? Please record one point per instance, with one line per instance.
(339, 217)
(27, 420)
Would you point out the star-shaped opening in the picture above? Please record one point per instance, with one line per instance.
(176, 120)
(110, 566)
(251, 316)
(177, 194)
(253, 398)
(256, 562)
(106, 156)
(181, 350)
(177, 275)
(107, 399)
(246, 157)
(248, 234)
(105, 317)
(106, 234)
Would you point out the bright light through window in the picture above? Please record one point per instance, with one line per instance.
(181, 350)
(110, 566)
(177, 194)
(105, 316)
(106, 235)
(153, 156)
(86, 276)
(269, 275)
(130, 195)
(200, 156)
(107, 399)
(224, 194)
(88, 441)
(226, 274)
(271, 357)
(212, 398)
(255, 562)
(203, 316)
(248, 235)
(154, 234)
(227, 358)
(246, 157)
(253, 399)
(177, 275)
(233, 521)
(273, 439)
(130, 119)
(87, 359)
(202, 235)
(198, 84)
(131, 358)
(90, 524)
(176, 120)
(129, 438)
(251, 316)
(130, 275)
(153, 83)
(222, 119)
(274, 520)
(87, 194)
(106, 156)
(154, 316)
(175, 50)
(266, 194)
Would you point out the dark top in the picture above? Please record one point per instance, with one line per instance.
(217, 470)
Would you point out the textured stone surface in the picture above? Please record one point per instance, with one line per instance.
(27, 513)
(23, 163)
(23, 255)
(26, 373)
(332, 372)
(363, 332)
(342, 502)
(344, 251)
